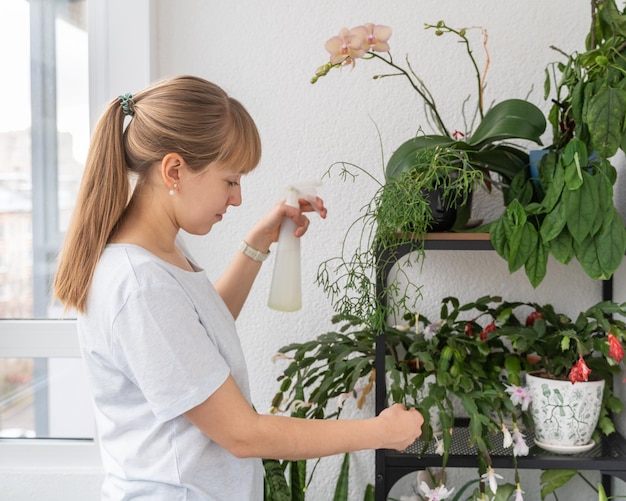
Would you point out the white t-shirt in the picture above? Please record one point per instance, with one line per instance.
(157, 341)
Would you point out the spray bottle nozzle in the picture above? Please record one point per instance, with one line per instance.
(306, 190)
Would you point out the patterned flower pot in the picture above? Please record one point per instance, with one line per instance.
(565, 414)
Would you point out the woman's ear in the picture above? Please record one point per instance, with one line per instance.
(171, 165)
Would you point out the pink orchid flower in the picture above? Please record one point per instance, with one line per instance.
(345, 47)
(373, 36)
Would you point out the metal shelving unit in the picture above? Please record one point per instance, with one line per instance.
(608, 457)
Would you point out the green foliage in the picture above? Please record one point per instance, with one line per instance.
(567, 212)
(465, 359)
(590, 101)
(341, 489)
(551, 480)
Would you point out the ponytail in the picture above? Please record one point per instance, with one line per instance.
(102, 197)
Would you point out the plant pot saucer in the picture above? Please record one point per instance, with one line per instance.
(566, 449)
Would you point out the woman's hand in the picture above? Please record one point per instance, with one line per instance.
(400, 427)
(267, 229)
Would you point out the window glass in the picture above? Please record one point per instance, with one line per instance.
(44, 136)
(48, 403)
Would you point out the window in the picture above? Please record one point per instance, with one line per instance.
(44, 136)
(62, 73)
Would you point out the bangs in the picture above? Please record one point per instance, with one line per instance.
(241, 148)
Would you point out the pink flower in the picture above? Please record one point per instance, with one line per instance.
(432, 330)
(519, 396)
(616, 350)
(345, 47)
(437, 494)
(520, 448)
(580, 372)
(373, 36)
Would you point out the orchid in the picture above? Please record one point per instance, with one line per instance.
(345, 47)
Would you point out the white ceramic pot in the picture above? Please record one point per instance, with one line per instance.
(565, 414)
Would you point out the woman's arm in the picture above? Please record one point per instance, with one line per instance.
(227, 418)
(235, 283)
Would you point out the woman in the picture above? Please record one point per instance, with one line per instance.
(163, 358)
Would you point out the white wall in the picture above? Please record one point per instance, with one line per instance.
(264, 53)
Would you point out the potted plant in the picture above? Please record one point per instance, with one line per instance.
(443, 166)
(469, 363)
(566, 210)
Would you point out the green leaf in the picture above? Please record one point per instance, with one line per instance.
(343, 481)
(276, 488)
(581, 208)
(504, 160)
(553, 223)
(498, 236)
(551, 176)
(551, 480)
(510, 119)
(574, 155)
(369, 493)
(605, 118)
(406, 156)
(587, 256)
(562, 247)
(526, 241)
(611, 245)
(298, 480)
(537, 264)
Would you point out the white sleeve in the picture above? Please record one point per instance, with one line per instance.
(166, 351)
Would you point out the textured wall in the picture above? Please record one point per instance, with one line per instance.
(264, 53)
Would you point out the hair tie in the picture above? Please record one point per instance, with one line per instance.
(128, 105)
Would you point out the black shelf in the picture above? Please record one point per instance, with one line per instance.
(608, 456)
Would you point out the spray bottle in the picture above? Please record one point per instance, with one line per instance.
(286, 287)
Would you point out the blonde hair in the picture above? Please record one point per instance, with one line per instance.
(185, 115)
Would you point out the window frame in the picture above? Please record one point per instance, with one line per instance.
(112, 71)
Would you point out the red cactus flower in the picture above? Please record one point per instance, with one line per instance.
(580, 372)
(616, 350)
(490, 328)
(530, 319)
(469, 330)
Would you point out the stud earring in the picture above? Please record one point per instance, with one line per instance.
(171, 192)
